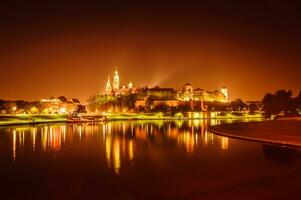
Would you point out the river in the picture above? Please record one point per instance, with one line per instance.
(142, 160)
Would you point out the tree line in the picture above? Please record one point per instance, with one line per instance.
(126, 102)
(282, 102)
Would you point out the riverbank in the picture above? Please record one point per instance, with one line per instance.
(180, 116)
(285, 132)
(6, 120)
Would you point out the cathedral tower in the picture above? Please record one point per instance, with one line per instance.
(116, 81)
(108, 86)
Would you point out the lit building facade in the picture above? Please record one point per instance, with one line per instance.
(173, 98)
(59, 106)
(224, 91)
(167, 96)
(190, 94)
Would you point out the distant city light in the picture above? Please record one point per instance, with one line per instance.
(62, 110)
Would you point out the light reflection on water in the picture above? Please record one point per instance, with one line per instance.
(155, 158)
(118, 137)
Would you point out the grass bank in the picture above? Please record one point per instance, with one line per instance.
(35, 119)
(189, 115)
(284, 132)
(31, 119)
(137, 116)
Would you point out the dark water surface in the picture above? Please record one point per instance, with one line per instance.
(142, 160)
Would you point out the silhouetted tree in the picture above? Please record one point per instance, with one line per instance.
(280, 101)
(63, 99)
(237, 105)
(10, 107)
(217, 106)
(80, 109)
(127, 101)
(149, 102)
(283, 99)
(269, 104)
(299, 101)
(185, 107)
(299, 96)
(161, 108)
(141, 109)
(252, 108)
(101, 103)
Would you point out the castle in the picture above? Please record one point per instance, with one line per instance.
(114, 88)
(165, 95)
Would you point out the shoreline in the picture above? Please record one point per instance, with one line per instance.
(66, 121)
(222, 130)
(31, 123)
(251, 134)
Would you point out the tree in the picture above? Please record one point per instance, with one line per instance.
(1, 105)
(101, 103)
(141, 109)
(179, 115)
(280, 101)
(252, 108)
(63, 99)
(237, 105)
(283, 99)
(10, 107)
(217, 106)
(293, 106)
(299, 101)
(161, 108)
(130, 100)
(183, 107)
(80, 109)
(149, 102)
(269, 102)
(21, 104)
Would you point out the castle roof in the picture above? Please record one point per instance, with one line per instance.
(157, 88)
(198, 89)
(188, 84)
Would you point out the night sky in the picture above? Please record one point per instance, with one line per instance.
(53, 49)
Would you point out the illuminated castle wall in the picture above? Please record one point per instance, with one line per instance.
(186, 94)
(190, 94)
(173, 98)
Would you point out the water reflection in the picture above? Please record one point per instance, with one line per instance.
(140, 160)
(115, 150)
(120, 139)
(280, 155)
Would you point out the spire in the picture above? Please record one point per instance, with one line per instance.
(108, 86)
(130, 85)
(116, 81)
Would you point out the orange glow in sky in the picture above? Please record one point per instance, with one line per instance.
(67, 50)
